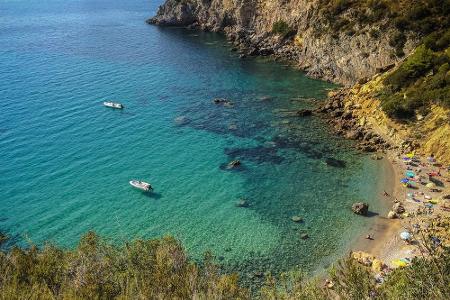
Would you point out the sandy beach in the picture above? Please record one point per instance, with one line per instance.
(386, 244)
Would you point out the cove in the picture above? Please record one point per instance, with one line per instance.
(66, 160)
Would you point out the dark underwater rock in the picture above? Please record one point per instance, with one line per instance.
(259, 154)
(337, 163)
(304, 112)
(223, 101)
(234, 164)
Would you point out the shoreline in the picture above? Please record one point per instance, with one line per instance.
(387, 246)
(383, 230)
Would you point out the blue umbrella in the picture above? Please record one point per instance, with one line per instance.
(410, 174)
(404, 180)
(405, 235)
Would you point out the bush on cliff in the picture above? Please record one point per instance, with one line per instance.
(282, 28)
(421, 80)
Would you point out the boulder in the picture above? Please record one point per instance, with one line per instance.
(304, 112)
(353, 135)
(363, 258)
(222, 101)
(297, 219)
(360, 208)
(234, 163)
(391, 215)
(347, 115)
(336, 113)
(398, 208)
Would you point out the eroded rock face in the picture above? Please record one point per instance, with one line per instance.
(337, 57)
(175, 13)
(360, 208)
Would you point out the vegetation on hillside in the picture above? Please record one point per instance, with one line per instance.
(423, 77)
(160, 269)
(416, 18)
(421, 80)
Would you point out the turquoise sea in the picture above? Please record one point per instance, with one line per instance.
(66, 160)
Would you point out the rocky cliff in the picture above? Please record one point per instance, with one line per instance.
(356, 114)
(302, 31)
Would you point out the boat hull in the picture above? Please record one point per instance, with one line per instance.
(140, 185)
(113, 105)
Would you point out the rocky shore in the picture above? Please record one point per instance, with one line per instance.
(340, 115)
(295, 30)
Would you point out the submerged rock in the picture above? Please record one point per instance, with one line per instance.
(243, 203)
(360, 208)
(223, 101)
(258, 154)
(304, 112)
(234, 164)
(335, 162)
(181, 120)
(297, 219)
(304, 236)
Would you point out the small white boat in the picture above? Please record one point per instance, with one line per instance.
(141, 185)
(113, 104)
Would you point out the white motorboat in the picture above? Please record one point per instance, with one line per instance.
(141, 185)
(113, 104)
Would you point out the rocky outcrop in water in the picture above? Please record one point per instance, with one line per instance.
(296, 30)
(343, 120)
(360, 208)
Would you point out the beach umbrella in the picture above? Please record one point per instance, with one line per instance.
(404, 180)
(399, 263)
(410, 174)
(430, 185)
(410, 155)
(405, 235)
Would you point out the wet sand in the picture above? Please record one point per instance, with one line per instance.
(383, 230)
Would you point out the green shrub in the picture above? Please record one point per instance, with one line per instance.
(281, 28)
(422, 79)
(398, 41)
(415, 66)
(160, 269)
(95, 269)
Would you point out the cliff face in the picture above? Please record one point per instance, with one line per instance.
(357, 114)
(342, 56)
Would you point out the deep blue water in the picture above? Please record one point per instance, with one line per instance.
(66, 160)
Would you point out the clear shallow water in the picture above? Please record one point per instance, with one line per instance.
(66, 160)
